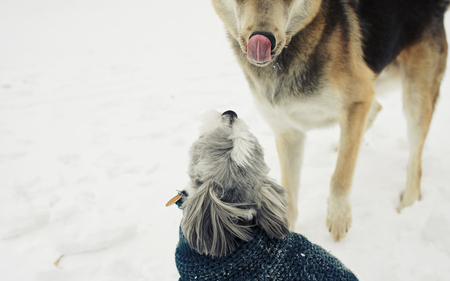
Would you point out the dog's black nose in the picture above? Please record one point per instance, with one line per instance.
(231, 114)
(268, 35)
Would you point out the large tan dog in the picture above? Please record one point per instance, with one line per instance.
(312, 63)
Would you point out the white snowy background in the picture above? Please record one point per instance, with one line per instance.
(99, 104)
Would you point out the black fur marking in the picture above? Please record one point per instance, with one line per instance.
(388, 26)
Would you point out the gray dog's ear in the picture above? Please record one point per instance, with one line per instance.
(272, 213)
(210, 225)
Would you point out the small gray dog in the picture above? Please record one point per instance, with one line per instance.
(235, 224)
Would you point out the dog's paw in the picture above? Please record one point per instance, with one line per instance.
(407, 198)
(339, 217)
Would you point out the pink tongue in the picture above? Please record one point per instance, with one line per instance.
(258, 49)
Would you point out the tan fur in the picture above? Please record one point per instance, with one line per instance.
(423, 67)
(345, 94)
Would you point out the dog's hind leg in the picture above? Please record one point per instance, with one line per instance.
(290, 146)
(423, 66)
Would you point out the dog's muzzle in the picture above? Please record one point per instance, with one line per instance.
(231, 115)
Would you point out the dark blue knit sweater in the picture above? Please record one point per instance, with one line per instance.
(262, 258)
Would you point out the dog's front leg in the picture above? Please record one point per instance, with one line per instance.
(339, 216)
(290, 152)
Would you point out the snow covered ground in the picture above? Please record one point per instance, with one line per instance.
(99, 104)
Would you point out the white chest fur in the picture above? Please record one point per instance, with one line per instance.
(302, 113)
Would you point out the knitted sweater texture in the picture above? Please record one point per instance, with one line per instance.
(262, 258)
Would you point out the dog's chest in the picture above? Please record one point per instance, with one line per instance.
(305, 112)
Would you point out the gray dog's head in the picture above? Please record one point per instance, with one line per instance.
(230, 191)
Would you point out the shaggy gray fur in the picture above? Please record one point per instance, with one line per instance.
(225, 198)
